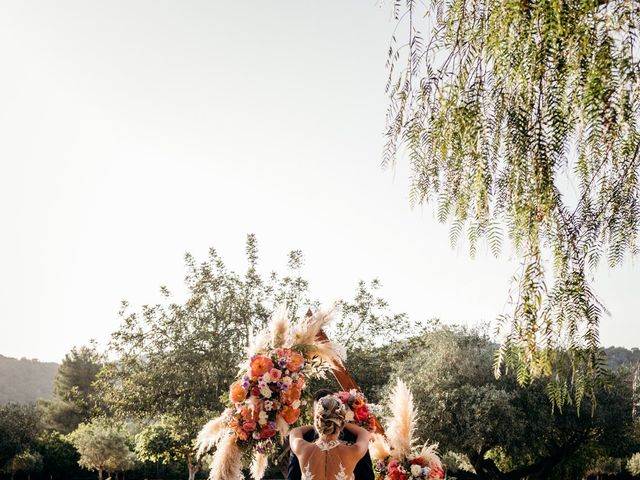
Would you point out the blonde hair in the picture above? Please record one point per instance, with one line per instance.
(329, 417)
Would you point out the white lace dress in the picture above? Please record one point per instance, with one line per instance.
(325, 461)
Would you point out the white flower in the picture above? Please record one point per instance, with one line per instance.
(263, 418)
(416, 470)
(286, 380)
(266, 378)
(265, 392)
(427, 471)
(296, 404)
(268, 405)
(349, 416)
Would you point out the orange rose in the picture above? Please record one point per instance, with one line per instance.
(260, 365)
(242, 435)
(248, 415)
(237, 393)
(295, 362)
(357, 403)
(295, 392)
(290, 415)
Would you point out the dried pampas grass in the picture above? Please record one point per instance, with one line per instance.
(305, 336)
(429, 453)
(280, 326)
(402, 423)
(259, 344)
(308, 327)
(379, 448)
(258, 465)
(210, 435)
(227, 461)
(282, 428)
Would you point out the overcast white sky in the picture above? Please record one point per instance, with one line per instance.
(133, 131)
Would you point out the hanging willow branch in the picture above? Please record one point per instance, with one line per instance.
(519, 119)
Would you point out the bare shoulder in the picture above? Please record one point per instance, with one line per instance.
(352, 451)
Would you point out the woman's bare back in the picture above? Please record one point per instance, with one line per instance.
(334, 460)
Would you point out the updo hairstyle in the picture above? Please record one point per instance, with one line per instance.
(329, 417)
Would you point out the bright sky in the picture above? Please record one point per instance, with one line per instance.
(132, 132)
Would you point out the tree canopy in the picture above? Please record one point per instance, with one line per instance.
(102, 446)
(504, 431)
(520, 118)
(19, 427)
(73, 389)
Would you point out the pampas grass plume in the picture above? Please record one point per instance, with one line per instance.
(379, 448)
(402, 423)
(258, 465)
(210, 435)
(227, 461)
(279, 326)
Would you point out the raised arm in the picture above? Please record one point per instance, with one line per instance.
(296, 438)
(362, 441)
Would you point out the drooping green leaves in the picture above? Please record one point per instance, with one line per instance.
(521, 117)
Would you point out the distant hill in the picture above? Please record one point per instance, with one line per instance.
(24, 380)
(622, 357)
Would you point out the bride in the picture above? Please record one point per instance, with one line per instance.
(328, 458)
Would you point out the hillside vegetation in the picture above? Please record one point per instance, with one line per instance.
(25, 380)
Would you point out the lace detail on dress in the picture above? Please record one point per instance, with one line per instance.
(341, 475)
(326, 446)
(307, 475)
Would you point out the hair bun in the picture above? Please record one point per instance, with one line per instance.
(329, 415)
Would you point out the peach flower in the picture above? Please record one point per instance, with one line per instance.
(260, 365)
(237, 393)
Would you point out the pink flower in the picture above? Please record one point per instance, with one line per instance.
(249, 426)
(275, 374)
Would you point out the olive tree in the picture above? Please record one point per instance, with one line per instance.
(102, 446)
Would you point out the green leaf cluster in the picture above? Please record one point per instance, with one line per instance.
(519, 119)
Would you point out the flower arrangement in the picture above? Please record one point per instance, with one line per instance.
(266, 398)
(359, 411)
(394, 457)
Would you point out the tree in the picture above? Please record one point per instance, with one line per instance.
(176, 360)
(505, 107)
(25, 461)
(365, 327)
(165, 442)
(102, 446)
(19, 426)
(73, 389)
(505, 431)
(59, 456)
(633, 465)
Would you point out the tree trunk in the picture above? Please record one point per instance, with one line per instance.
(193, 468)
